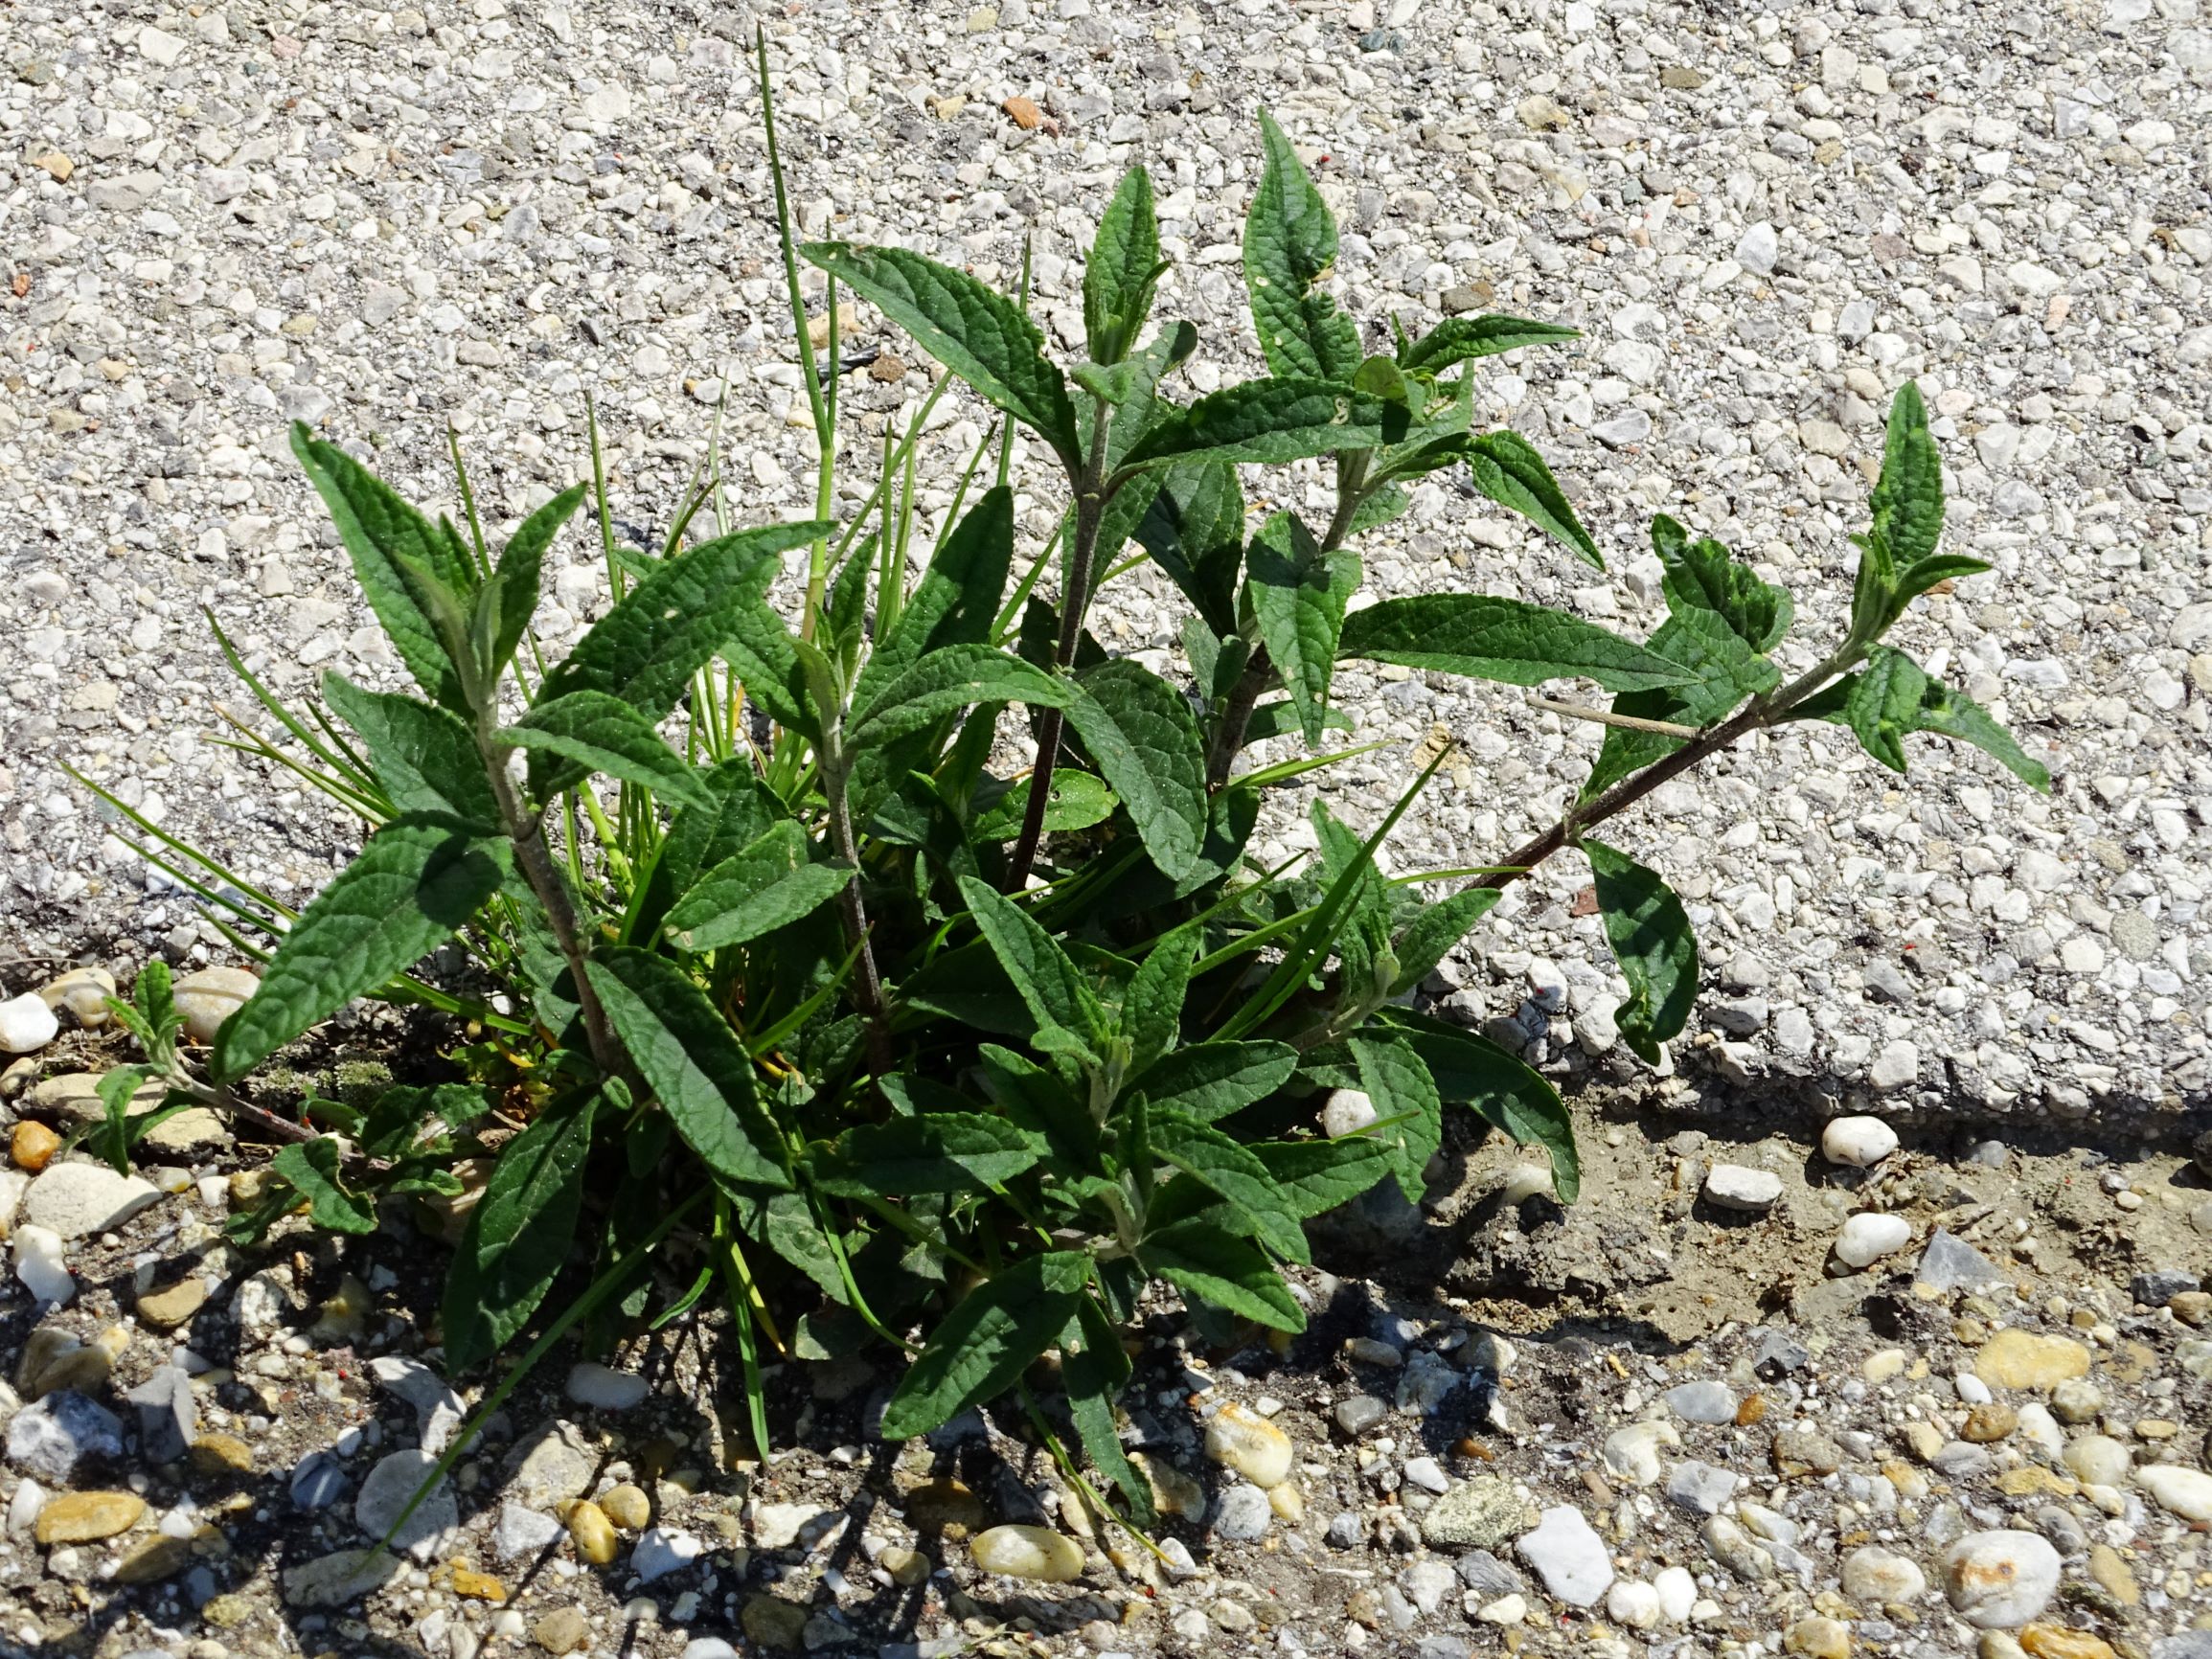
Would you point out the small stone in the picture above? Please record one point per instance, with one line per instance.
(1678, 1588)
(157, 1558)
(82, 1517)
(1355, 1414)
(1990, 1423)
(1950, 1263)
(2185, 1491)
(1702, 1401)
(27, 1024)
(2057, 1641)
(1506, 1612)
(548, 1466)
(592, 1384)
(2000, 1579)
(943, 1504)
(1243, 1514)
(208, 996)
(333, 1581)
(50, 1438)
(1540, 114)
(168, 1413)
(222, 1454)
(170, 1306)
(1875, 1577)
(593, 1533)
(560, 1631)
(2099, 1459)
(1758, 249)
(772, 1622)
(1477, 1514)
(1631, 1454)
(663, 1549)
(628, 1507)
(82, 990)
(1737, 1550)
(31, 1144)
(75, 1200)
(1634, 1603)
(1568, 1556)
(318, 1481)
(1740, 1188)
(389, 1488)
(1818, 1638)
(522, 1533)
(1022, 112)
(1868, 1236)
(2157, 1288)
(1036, 1554)
(1427, 1582)
(1346, 1112)
(2110, 1568)
(1700, 1487)
(477, 1587)
(2016, 1358)
(1242, 1440)
(907, 1568)
(2077, 1400)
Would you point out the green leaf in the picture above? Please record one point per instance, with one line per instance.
(1459, 339)
(417, 883)
(737, 813)
(1700, 576)
(646, 649)
(1290, 246)
(1719, 670)
(1193, 527)
(1877, 695)
(1199, 1257)
(1474, 1072)
(1298, 598)
(1093, 1369)
(1124, 269)
(1430, 936)
(987, 1341)
(687, 1055)
(1398, 1080)
(516, 579)
(765, 654)
(604, 734)
(1363, 932)
(1051, 986)
(1211, 1158)
(1153, 1006)
(311, 1167)
(1908, 500)
(1923, 573)
(1501, 639)
(1317, 1176)
(393, 548)
(979, 335)
(1506, 468)
(1268, 422)
(519, 1233)
(766, 885)
(958, 595)
(940, 1152)
(1653, 943)
(1141, 733)
(1077, 801)
(1279, 719)
(424, 758)
(949, 680)
(115, 1091)
(1211, 1081)
(153, 1000)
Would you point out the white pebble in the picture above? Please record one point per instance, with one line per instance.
(596, 1385)
(41, 1265)
(1867, 1237)
(1346, 1112)
(1739, 1187)
(1859, 1142)
(27, 1024)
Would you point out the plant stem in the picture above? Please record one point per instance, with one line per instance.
(867, 983)
(1755, 715)
(1090, 499)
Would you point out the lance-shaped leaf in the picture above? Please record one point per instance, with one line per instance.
(515, 579)
(602, 733)
(1290, 248)
(766, 885)
(519, 1232)
(1460, 339)
(958, 595)
(1430, 936)
(1700, 576)
(1050, 985)
(1213, 1159)
(1908, 500)
(1201, 1257)
(1269, 421)
(1298, 598)
(693, 1063)
(646, 649)
(1503, 1090)
(1501, 639)
(738, 811)
(1145, 739)
(978, 333)
(424, 756)
(1153, 1006)
(1317, 1176)
(1211, 1081)
(1077, 801)
(1506, 468)
(939, 1153)
(1193, 527)
(987, 1341)
(949, 680)
(1874, 704)
(1397, 1082)
(417, 883)
(1719, 670)
(311, 1167)
(1653, 943)
(1094, 1368)
(1124, 269)
(393, 548)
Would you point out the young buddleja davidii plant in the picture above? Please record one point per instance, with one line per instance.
(803, 996)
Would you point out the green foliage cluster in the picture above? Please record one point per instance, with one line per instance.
(914, 1051)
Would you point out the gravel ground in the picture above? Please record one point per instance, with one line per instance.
(380, 222)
